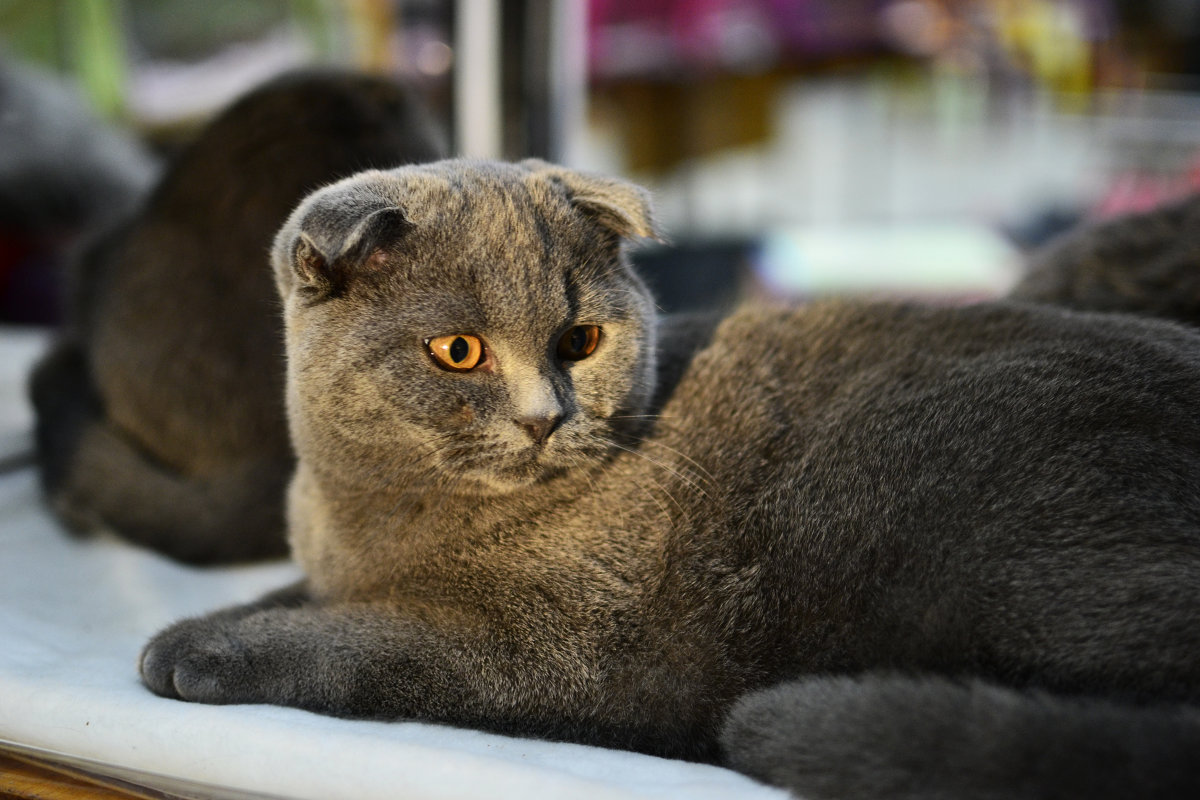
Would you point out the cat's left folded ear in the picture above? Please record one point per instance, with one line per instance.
(334, 232)
(621, 206)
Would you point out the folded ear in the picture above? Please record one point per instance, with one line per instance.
(331, 236)
(621, 206)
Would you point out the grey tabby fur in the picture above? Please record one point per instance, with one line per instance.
(160, 410)
(986, 519)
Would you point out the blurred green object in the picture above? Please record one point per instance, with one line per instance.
(83, 38)
(88, 39)
(960, 261)
(317, 20)
(30, 31)
(96, 33)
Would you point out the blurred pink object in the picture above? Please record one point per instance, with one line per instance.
(647, 37)
(1134, 192)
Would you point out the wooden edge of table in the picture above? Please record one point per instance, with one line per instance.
(29, 773)
(32, 777)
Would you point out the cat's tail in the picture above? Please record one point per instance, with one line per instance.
(881, 736)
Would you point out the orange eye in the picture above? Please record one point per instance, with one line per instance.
(458, 352)
(579, 342)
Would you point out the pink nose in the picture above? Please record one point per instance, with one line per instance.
(539, 428)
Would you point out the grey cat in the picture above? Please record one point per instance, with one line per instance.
(1144, 263)
(961, 544)
(160, 412)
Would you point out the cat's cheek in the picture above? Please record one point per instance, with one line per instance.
(601, 400)
(463, 414)
(603, 410)
(369, 408)
(627, 389)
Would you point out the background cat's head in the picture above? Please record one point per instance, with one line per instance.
(472, 324)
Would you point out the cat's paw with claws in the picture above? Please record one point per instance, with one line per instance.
(202, 661)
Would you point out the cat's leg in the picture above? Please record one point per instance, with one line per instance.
(359, 659)
(294, 595)
(892, 736)
(378, 660)
(238, 515)
(66, 404)
(94, 476)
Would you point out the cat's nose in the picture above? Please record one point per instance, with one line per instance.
(539, 428)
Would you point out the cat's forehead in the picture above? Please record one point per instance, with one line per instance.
(501, 237)
(484, 205)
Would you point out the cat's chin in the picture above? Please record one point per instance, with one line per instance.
(508, 482)
(516, 477)
(534, 466)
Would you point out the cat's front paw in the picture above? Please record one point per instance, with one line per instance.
(199, 660)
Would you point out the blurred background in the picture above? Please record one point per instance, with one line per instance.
(794, 147)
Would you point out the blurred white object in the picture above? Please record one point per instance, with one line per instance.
(477, 112)
(959, 261)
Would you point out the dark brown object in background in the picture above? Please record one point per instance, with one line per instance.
(160, 411)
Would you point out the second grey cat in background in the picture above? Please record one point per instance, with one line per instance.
(160, 411)
(1146, 263)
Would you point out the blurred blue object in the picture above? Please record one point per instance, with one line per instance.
(63, 174)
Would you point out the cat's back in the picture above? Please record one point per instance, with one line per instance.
(832, 356)
(885, 422)
(780, 365)
(979, 470)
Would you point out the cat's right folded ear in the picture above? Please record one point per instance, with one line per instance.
(332, 237)
(621, 206)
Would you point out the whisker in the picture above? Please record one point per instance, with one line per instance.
(648, 493)
(664, 467)
(708, 475)
(670, 496)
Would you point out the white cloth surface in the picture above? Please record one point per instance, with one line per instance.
(74, 615)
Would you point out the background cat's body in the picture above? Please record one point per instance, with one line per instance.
(1145, 263)
(1000, 491)
(160, 412)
